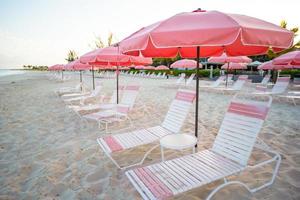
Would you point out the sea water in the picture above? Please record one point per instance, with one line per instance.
(8, 72)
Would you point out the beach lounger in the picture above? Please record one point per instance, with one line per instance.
(280, 87)
(172, 123)
(237, 86)
(96, 92)
(229, 156)
(266, 80)
(67, 90)
(215, 84)
(189, 80)
(178, 82)
(128, 100)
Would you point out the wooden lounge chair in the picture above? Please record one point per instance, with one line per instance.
(229, 155)
(172, 123)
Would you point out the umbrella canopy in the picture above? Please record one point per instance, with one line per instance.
(291, 59)
(212, 31)
(255, 63)
(234, 66)
(149, 68)
(162, 67)
(56, 67)
(77, 65)
(124, 68)
(112, 56)
(234, 59)
(266, 66)
(184, 63)
(139, 67)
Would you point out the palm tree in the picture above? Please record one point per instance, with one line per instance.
(99, 43)
(271, 54)
(71, 56)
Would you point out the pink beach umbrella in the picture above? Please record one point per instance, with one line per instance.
(78, 66)
(112, 56)
(226, 59)
(140, 67)
(162, 67)
(184, 64)
(57, 67)
(149, 68)
(212, 32)
(266, 66)
(229, 59)
(289, 60)
(234, 66)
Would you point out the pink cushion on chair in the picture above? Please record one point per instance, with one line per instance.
(113, 144)
(157, 188)
(255, 111)
(185, 96)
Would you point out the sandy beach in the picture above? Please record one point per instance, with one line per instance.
(49, 152)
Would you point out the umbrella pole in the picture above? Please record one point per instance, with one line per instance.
(227, 74)
(93, 77)
(80, 76)
(117, 84)
(197, 93)
(62, 75)
(80, 80)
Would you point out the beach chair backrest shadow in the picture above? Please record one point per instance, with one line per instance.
(239, 129)
(130, 94)
(178, 110)
(240, 82)
(281, 84)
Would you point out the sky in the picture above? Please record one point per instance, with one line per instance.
(41, 32)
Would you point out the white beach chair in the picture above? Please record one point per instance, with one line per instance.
(172, 123)
(280, 87)
(237, 86)
(178, 82)
(265, 80)
(102, 104)
(128, 100)
(96, 92)
(189, 80)
(215, 84)
(229, 156)
(67, 90)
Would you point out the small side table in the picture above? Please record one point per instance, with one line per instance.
(178, 141)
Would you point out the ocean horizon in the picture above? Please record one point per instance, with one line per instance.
(8, 72)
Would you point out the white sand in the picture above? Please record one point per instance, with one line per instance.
(48, 152)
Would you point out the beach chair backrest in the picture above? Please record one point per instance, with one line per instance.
(266, 79)
(163, 75)
(296, 81)
(122, 110)
(240, 82)
(281, 84)
(191, 78)
(178, 110)
(130, 94)
(182, 76)
(239, 129)
(218, 81)
(96, 91)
